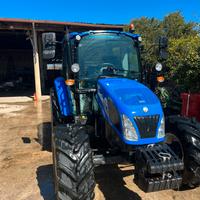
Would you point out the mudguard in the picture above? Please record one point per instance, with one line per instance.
(121, 96)
(63, 97)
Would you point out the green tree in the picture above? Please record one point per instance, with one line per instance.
(184, 62)
(175, 26)
(184, 47)
(150, 29)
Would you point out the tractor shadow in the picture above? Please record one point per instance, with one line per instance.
(44, 136)
(110, 181)
(45, 181)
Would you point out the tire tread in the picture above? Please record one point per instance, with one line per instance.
(74, 165)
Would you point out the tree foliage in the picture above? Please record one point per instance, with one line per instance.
(175, 26)
(184, 47)
(184, 62)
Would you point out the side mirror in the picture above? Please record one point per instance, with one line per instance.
(141, 47)
(163, 54)
(163, 44)
(49, 45)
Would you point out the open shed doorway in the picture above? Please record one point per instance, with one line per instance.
(16, 64)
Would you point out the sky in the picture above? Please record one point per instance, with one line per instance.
(98, 11)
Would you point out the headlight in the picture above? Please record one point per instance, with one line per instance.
(78, 37)
(161, 129)
(158, 67)
(128, 129)
(140, 39)
(75, 68)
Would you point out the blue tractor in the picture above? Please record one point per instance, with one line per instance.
(102, 108)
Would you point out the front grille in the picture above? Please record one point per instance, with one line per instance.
(147, 125)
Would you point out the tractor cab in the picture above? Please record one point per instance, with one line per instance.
(113, 54)
(90, 55)
(97, 55)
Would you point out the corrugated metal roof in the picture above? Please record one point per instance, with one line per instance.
(49, 22)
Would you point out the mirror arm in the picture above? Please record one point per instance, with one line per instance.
(153, 45)
(58, 42)
(54, 43)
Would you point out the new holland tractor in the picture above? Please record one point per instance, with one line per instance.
(102, 108)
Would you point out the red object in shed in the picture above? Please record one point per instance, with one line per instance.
(191, 105)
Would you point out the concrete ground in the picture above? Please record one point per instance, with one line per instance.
(26, 171)
(20, 99)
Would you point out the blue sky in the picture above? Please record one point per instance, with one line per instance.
(98, 11)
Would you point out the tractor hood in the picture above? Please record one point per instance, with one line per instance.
(129, 96)
(121, 96)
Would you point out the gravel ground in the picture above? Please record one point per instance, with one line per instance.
(26, 171)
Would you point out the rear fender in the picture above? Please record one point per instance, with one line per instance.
(64, 97)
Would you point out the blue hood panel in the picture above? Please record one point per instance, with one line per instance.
(130, 98)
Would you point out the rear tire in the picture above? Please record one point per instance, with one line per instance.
(188, 133)
(73, 164)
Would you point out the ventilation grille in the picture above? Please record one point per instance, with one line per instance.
(147, 125)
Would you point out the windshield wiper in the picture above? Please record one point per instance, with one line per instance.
(125, 70)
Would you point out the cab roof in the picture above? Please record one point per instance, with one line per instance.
(72, 35)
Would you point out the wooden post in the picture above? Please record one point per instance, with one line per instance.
(36, 65)
(43, 71)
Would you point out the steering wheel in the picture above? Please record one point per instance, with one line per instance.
(108, 67)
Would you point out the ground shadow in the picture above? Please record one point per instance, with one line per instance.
(184, 188)
(108, 177)
(26, 140)
(44, 136)
(110, 181)
(45, 181)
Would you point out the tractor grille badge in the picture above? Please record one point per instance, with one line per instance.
(145, 109)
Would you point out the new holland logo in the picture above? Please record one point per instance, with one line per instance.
(145, 109)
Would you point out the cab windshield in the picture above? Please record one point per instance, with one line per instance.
(107, 54)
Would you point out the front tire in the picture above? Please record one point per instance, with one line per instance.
(73, 164)
(186, 134)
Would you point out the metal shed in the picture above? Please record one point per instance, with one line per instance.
(22, 69)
